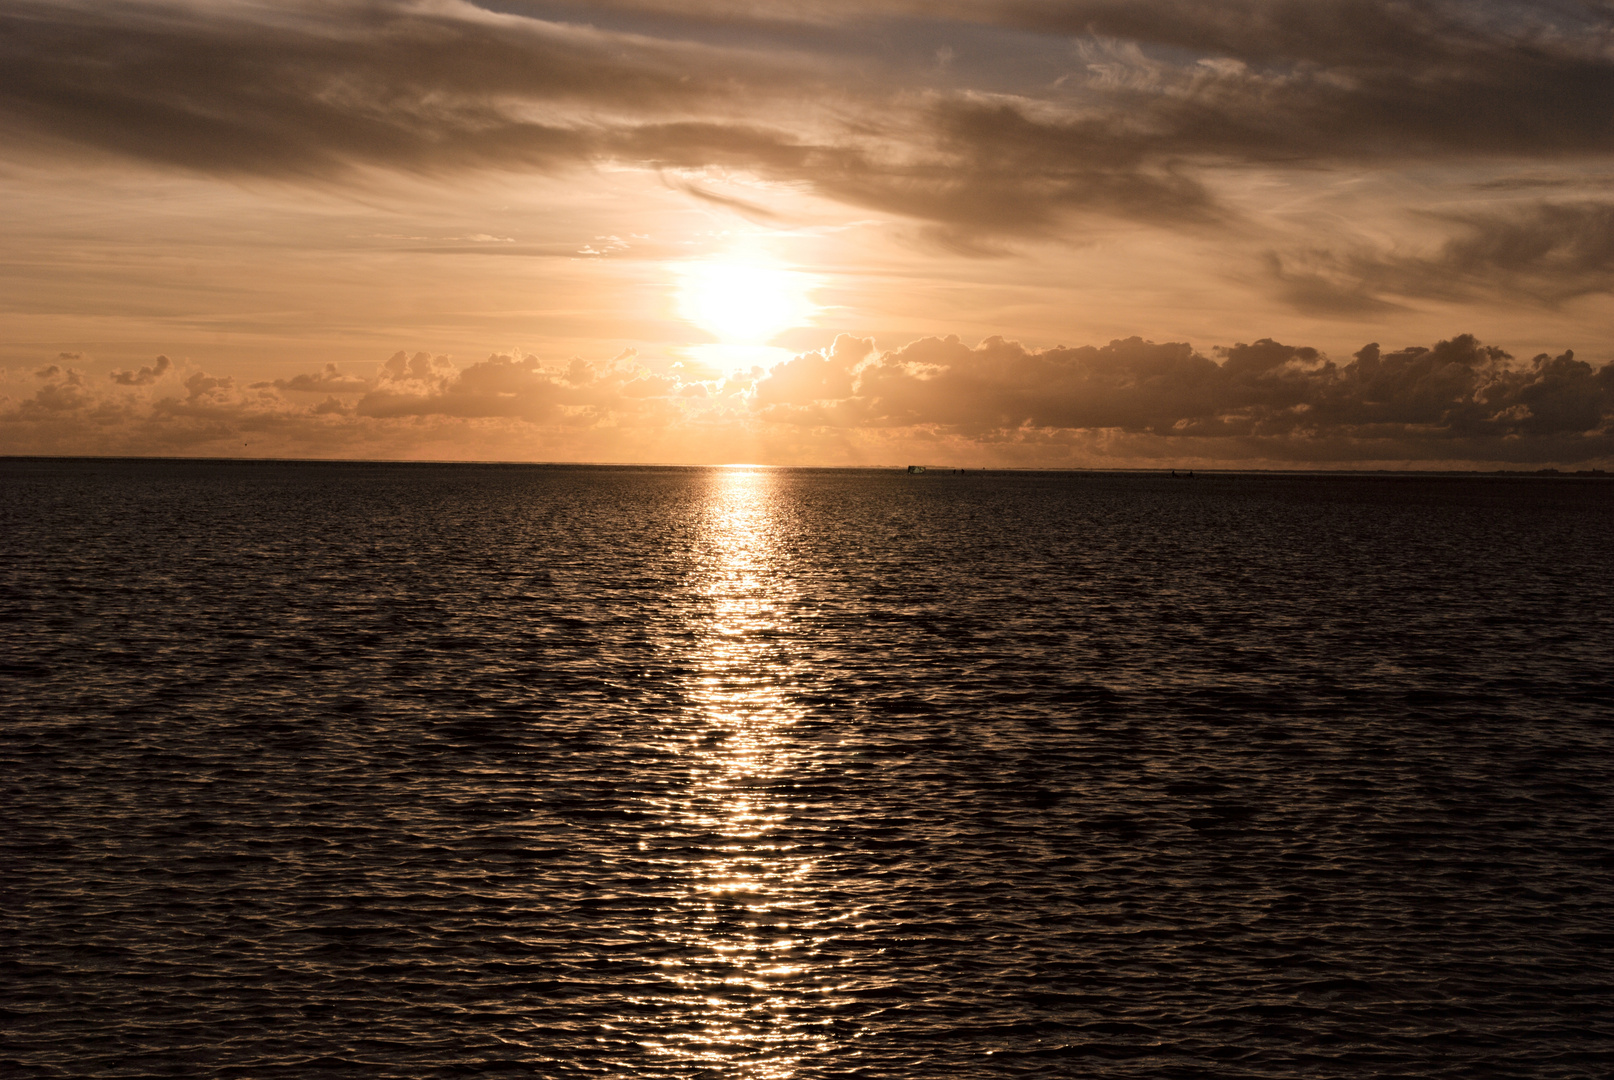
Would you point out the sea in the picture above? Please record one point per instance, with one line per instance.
(426, 770)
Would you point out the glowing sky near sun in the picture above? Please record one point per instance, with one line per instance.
(717, 231)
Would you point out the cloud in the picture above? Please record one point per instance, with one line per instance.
(749, 210)
(326, 381)
(581, 392)
(813, 376)
(1153, 94)
(1552, 251)
(1544, 252)
(65, 390)
(145, 376)
(1457, 399)
(1320, 283)
(67, 399)
(1338, 77)
(1130, 401)
(305, 91)
(988, 167)
(423, 385)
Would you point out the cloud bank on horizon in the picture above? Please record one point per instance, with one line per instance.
(1339, 170)
(1131, 402)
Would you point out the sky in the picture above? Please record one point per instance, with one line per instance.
(976, 233)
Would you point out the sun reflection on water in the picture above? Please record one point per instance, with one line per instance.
(747, 924)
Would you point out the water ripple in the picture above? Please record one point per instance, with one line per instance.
(426, 770)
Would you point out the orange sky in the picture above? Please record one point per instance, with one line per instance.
(973, 233)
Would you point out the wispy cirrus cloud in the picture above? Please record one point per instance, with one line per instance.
(1548, 252)
(1150, 94)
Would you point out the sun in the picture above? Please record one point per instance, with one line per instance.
(743, 303)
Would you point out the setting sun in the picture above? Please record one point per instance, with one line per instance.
(743, 303)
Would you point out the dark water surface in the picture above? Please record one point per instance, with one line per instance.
(408, 771)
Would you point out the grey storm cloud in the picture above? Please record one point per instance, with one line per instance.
(1457, 399)
(1151, 91)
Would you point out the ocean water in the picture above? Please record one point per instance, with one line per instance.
(414, 771)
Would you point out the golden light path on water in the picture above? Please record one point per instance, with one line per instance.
(748, 924)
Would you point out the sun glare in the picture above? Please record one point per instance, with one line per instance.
(743, 303)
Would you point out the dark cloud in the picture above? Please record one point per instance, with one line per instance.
(1545, 253)
(1540, 183)
(1458, 399)
(988, 168)
(1327, 289)
(1296, 78)
(1551, 251)
(145, 376)
(1155, 91)
(746, 209)
(312, 90)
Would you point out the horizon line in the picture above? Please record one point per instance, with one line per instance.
(1544, 472)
